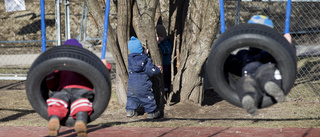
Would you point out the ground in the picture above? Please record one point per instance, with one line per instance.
(15, 110)
(216, 117)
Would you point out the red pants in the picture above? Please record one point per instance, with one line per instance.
(59, 102)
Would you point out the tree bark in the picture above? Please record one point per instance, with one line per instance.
(123, 27)
(98, 13)
(164, 13)
(201, 22)
(123, 35)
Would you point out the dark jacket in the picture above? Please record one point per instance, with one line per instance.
(236, 63)
(140, 70)
(166, 50)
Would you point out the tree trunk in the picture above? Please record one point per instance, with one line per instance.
(121, 89)
(123, 35)
(164, 13)
(123, 27)
(201, 23)
(98, 13)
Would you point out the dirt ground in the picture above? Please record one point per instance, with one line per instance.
(15, 110)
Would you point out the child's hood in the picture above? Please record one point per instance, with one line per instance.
(137, 62)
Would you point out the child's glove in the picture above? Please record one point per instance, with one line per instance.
(109, 67)
(107, 64)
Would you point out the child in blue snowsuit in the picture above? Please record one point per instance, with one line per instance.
(139, 90)
(258, 73)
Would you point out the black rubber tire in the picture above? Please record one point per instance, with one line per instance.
(255, 35)
(71, 58)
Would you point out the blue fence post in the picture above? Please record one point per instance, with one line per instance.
(222, 22)
(288, 14)
(43, 26)
(105, 30)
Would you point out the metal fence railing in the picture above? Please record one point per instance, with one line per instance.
(304, 21)
(20, 37)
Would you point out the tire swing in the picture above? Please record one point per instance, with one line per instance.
(252, 35)
(74, 59)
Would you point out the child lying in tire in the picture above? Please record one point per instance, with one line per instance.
(69, 88)
(139, 90)
(258, 71)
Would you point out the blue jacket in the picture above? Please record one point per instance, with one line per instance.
(166, 49)
(140, 70)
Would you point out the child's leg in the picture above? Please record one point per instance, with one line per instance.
(81, 108)
(57, 110)
(80, 101)
(167, 77)
(132, 103)
(270, 79)
(148, 102)
(58, 104)
(53, 125)
(249, 94)
(167, 80)
(81, 124)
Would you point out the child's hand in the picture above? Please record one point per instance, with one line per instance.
(159, 39)
(288, 37)
(159, 67)
(146, 51)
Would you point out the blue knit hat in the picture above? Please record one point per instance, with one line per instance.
(135, 45)
(73, 42)
(260, 19)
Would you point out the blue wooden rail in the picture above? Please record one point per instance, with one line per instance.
(105, 30)
(43, 26)
(287, 21)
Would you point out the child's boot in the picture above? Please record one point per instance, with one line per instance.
(249, 94)
(53, 125)
(131, 113)
(274, 90)
(271, 80)
(249, 104)
(81, 124)
(153, 115)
